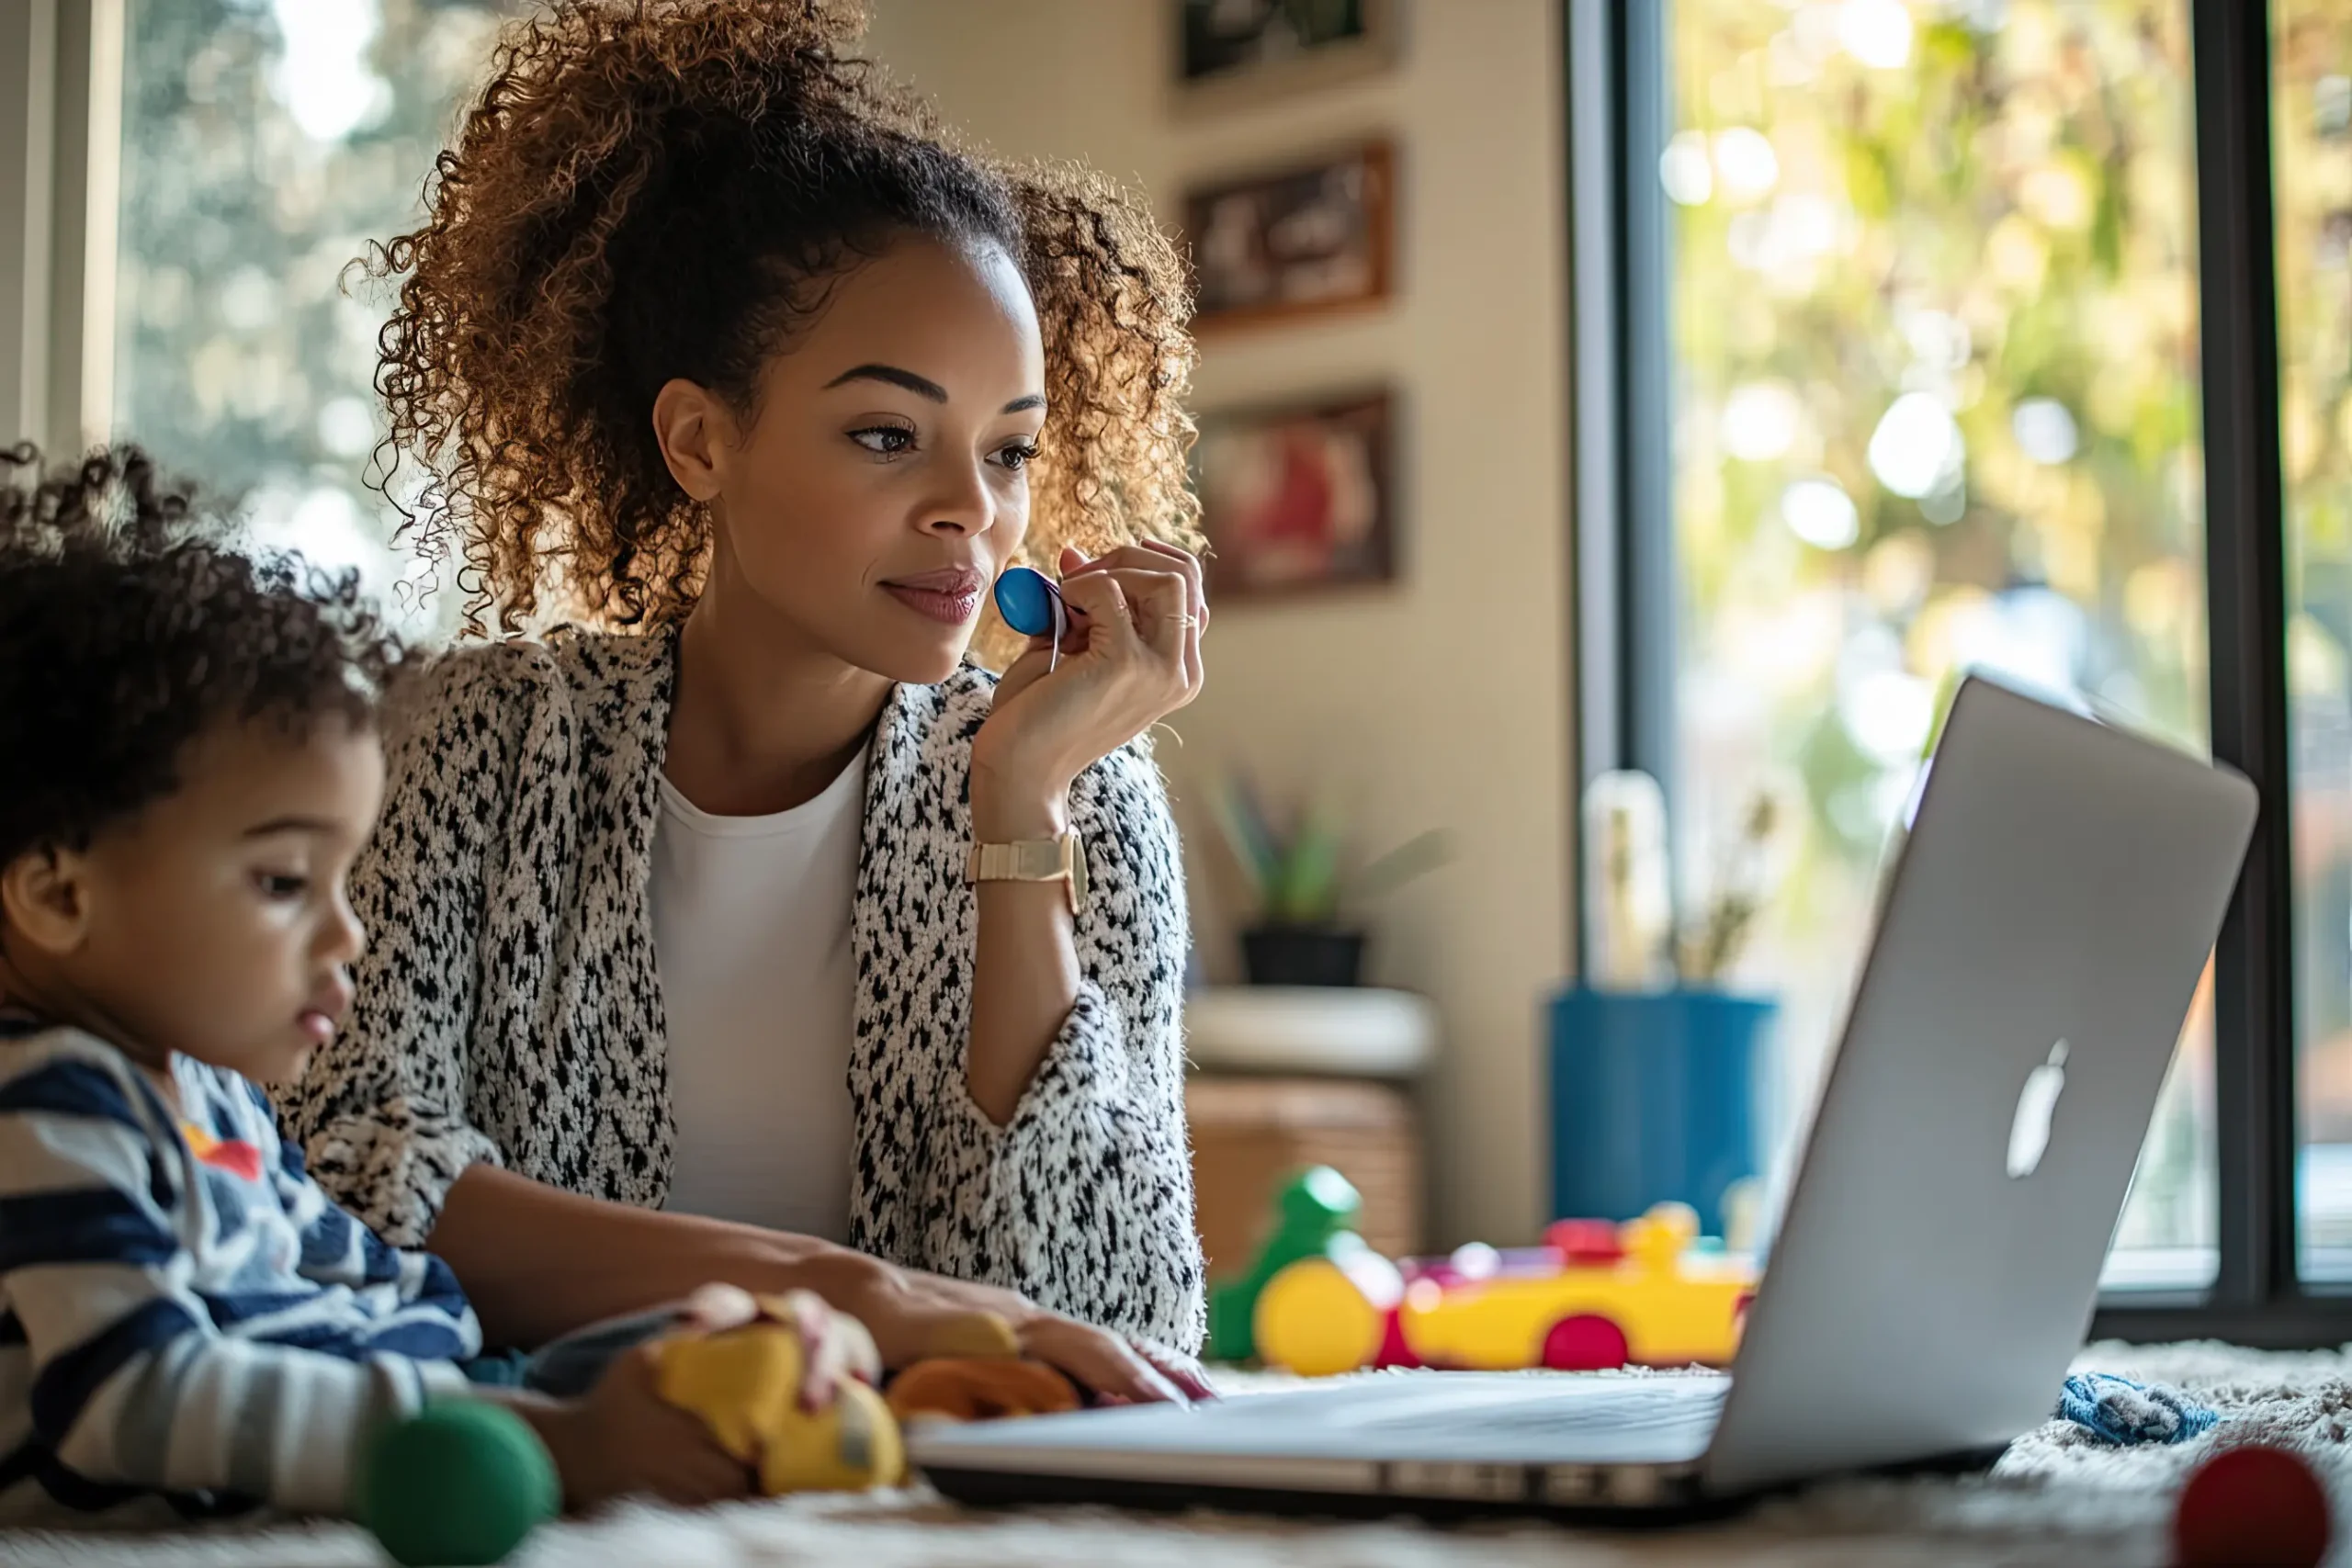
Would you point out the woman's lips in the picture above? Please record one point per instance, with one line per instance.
(950, 598)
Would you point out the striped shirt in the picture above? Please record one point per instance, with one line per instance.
(189, 1327)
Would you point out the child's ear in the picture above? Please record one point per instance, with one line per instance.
(44, 895)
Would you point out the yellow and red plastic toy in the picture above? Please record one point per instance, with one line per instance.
(1318, 1301)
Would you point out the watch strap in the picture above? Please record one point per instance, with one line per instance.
(1061, 858)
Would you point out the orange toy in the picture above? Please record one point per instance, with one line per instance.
(976, 1389)
(974, 1372)
(1595, 1296)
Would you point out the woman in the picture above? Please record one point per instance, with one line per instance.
(713, 340)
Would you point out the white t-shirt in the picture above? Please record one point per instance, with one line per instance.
(751, 938)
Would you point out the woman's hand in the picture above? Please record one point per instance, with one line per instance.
(908, 1313)
(1132, 656)
(553, 1262)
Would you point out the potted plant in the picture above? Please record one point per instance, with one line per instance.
(1301, 928)
(1657, 1063)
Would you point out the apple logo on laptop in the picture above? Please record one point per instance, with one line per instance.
(2036, 1102)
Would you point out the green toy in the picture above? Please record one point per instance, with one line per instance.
(458, 1485)
(1315, 1218)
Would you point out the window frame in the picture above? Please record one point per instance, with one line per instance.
(1625, 590)
(61, 72)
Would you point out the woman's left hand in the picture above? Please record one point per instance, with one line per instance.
(907, 1312)
(1132, 658)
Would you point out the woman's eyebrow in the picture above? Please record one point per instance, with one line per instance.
(922, 385)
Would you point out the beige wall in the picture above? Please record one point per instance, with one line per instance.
(1442, 702)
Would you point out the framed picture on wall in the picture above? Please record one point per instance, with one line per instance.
(1299, 496)
(1300, 240)
(1235, 51)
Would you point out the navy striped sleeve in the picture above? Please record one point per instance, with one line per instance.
(66, 1383)
(379, 1261)
(87, 1091)
(174, 1346)
(90, 1225)
(68, 1087)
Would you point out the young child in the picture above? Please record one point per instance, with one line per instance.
(188, 763)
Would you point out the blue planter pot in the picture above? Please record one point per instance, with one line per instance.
(1654, 1098)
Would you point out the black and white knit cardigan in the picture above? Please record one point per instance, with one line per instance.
(509, 1008)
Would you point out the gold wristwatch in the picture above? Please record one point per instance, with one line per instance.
(1062, 859)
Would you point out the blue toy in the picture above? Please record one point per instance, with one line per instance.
(1034, 607)
(2117, 1410)
(1030, 602)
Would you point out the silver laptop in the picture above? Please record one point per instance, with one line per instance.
(2052, 904)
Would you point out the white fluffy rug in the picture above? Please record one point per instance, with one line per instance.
(2058, 1498)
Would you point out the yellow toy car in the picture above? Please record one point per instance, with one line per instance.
(1595, 1296)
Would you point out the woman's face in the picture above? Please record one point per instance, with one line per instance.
(879, 486)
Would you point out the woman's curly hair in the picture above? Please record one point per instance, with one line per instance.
(658, 189)
(130, 626)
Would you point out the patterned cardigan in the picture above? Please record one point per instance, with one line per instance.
(509, 1010)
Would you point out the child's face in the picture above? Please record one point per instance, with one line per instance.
(214, 923)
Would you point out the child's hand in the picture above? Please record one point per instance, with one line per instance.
(837, 1345)
(622, 1440)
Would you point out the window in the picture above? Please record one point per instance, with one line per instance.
(1911, 341)
(264, 143)
(2313, 116)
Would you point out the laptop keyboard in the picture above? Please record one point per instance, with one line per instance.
(1481, 1418)
(1676, 1401)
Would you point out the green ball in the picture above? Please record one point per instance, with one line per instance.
(457, 1486)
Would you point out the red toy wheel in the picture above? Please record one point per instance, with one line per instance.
(1395, 1349)
(1587, 1343)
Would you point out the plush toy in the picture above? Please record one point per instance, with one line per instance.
(744, 1384)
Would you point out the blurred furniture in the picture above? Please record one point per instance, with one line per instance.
(1295, 1076)
(1344, 1031)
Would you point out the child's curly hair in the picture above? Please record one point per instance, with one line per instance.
(658, 189)
(128, 627)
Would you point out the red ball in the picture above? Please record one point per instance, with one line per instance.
(2251, 1506)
